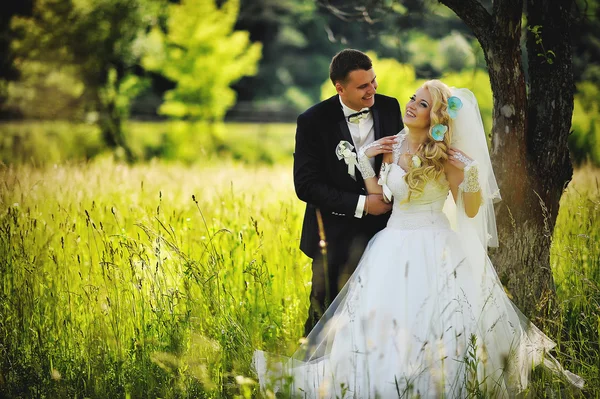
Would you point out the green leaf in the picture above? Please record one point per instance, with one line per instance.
(203, 54)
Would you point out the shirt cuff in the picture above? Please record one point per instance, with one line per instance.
(360, 207)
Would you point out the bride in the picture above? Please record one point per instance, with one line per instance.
(424, 314)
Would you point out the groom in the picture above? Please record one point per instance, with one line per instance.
(350, 215)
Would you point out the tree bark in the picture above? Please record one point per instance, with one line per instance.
(529, 142)
(550, 108)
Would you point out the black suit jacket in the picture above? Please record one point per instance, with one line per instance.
(322, 181)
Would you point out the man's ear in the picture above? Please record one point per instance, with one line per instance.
(339, 88)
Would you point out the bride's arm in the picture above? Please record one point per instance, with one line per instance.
(372, 186)
(462, 174)
(382, 146)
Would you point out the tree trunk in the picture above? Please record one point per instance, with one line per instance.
(529, 142)
(110, 118)
(111, 127)
(550, 109)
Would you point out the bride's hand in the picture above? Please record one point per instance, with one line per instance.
(458, 158)
(382, 146)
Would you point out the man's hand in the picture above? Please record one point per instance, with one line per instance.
(375, 205)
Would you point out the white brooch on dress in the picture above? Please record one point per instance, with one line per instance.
(344, 151)
(416, 161)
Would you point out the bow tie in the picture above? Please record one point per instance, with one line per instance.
(356, 117)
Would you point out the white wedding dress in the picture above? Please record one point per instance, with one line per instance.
(424, 315)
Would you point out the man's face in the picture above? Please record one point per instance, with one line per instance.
(359, 90)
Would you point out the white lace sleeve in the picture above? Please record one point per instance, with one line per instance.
(398, 145)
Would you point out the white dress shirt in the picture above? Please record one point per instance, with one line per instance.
(363, 133)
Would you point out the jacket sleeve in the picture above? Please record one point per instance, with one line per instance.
(398, 112)
(310, 173)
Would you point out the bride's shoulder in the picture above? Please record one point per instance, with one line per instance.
(396, 146)
(400, 137)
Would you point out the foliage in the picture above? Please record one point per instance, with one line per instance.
(434, 56)
(40, 81)
(203, 55)
(584, 142)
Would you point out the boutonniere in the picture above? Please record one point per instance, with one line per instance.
(344, 151)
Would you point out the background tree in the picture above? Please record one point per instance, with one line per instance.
(203, 55)
(531, 124)
(85, 53)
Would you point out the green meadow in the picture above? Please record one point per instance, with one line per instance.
(159, 279)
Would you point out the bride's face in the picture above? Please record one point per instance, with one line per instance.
(416, 114)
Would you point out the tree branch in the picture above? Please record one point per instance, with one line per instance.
(368, 11)
(472, 13)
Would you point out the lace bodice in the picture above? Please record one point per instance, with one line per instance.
(430, 202)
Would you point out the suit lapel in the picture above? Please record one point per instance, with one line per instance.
(345, 131)
(377, 133)
(376, 123)
(337, 114)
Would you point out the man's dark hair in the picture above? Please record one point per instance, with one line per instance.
(346, 61)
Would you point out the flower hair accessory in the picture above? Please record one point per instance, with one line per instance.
(439, 131)
(344, 151)
(454, 105)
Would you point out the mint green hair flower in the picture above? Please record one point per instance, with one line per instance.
(438, 131)
(454, 104)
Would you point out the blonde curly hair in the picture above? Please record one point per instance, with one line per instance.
(432, 153)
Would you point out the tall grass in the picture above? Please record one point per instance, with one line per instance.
(575, 262)
(159, 280)
(148, 281)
